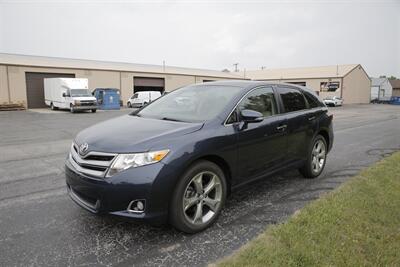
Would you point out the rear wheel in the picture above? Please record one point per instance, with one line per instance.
(52, 107)
(316, 158)
(198, 197)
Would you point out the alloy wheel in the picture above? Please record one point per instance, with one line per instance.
(318, 156)
(202, 198)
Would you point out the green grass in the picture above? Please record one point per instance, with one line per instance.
(357, 224)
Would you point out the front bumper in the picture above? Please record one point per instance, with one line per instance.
(153, 183)
(77, 107)
(137, 105)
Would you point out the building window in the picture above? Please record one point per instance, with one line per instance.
(298, 83)
(329, 86)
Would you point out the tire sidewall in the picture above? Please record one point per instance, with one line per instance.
(177, 216)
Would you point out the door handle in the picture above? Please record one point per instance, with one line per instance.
(311, 118)
(281, 127)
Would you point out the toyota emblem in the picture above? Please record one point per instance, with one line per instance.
(83, 148)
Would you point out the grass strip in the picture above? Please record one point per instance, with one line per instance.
(358, 224)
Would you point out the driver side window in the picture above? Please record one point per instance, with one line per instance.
(262, 100)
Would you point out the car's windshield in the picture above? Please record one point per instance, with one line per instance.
(191, 103)
(80, 92)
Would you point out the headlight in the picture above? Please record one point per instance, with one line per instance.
(126, 161)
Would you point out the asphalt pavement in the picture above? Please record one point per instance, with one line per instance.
(41, 226)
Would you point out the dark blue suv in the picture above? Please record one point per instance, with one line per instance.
(177, 159)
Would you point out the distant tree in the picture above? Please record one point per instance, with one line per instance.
(225, 70)
(390, 77)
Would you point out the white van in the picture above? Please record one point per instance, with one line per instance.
(143, 98)
(69, 93)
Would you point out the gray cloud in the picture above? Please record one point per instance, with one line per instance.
(209, 34)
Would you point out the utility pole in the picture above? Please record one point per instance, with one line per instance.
(236, 67)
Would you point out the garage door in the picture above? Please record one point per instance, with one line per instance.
(35, 87)
(148, 84)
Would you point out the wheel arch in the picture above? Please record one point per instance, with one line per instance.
(324, 133)
(220, 162)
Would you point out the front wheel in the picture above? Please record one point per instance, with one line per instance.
(198, 198)
(72, 109)
(94, 110)
(129, 105)
(316, 158)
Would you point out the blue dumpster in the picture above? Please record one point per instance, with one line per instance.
(395, 100)
(107, 98)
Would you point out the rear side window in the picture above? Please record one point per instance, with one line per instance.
(292, 99)
(262, 100)
(313, 102)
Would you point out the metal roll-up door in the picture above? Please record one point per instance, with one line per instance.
(148, 84)
(35, 87)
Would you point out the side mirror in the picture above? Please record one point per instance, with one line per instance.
(251, 116)
(65, 95)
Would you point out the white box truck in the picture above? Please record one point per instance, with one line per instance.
(69, 93)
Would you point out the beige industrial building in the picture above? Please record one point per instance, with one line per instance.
(349, 82)
(21, 77)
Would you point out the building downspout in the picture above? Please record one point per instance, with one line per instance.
(8, 86)
(341, 88)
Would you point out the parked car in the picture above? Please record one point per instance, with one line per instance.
(143, 98)
(69, 93)
(177, 163)
(333, 101)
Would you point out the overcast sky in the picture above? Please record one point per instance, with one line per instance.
(209, 34)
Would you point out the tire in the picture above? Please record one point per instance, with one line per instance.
(71, 109)
(52, 106)
(129, 105)
(314, 166)
(145, 104)
(198, 205)
(94, 110)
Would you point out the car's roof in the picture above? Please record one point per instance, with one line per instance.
(238, 83)
(245, 84)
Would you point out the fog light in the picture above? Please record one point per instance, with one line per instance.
(137, 206)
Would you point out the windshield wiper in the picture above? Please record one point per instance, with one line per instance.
(169, 119)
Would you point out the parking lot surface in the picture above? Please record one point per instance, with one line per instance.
(40, 225)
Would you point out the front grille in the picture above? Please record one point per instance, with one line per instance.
(94, 164)
(87, 103)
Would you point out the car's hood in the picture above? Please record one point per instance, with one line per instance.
(128, 134)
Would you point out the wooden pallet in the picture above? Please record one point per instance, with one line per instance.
(10, 107)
